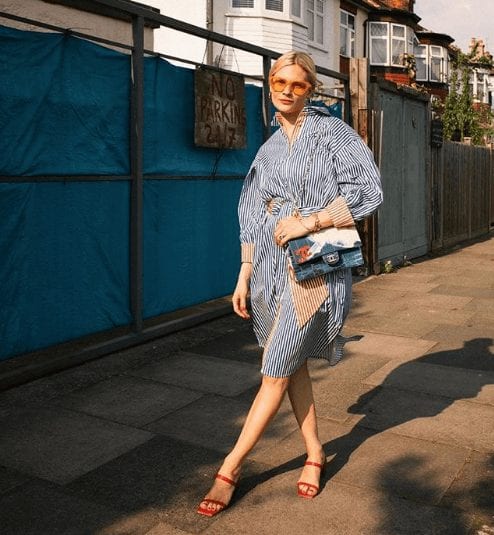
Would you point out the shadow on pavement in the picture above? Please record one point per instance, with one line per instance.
(410, 472)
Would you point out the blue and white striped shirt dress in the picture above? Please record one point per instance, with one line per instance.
(327, 166)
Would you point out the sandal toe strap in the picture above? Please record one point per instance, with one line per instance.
(310, 485)
(213, 502)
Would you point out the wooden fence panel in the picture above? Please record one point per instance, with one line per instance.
(462, 183)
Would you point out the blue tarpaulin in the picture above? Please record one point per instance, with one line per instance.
(64, 246)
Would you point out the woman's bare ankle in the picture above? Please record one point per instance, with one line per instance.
(315, 451)
(231, 467)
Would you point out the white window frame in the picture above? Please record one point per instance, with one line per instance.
(348, 49)
(271, 9)
(373, 38)
(300, 9)
(313, 15)
(398, 40)
(422, 55)
(243, 7)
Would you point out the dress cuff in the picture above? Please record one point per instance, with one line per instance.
(247, 252)
(340, 213)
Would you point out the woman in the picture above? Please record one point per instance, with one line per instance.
(314, 172)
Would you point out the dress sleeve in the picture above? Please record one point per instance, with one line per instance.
(249, 211)
(358, 178)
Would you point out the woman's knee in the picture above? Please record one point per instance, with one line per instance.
(279, 384)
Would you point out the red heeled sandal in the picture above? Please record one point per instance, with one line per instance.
(305, 493)
(221, 505)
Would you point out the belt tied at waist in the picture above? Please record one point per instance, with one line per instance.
(273, 205)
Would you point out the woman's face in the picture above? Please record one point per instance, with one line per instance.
(289, 90)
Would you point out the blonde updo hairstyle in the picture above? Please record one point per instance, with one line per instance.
(302, 59)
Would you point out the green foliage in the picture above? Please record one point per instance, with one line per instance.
(460, 118)
(485, 61)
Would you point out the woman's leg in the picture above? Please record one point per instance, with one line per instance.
(264, 407)
(302, 400)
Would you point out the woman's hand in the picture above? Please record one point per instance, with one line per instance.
(289, 228)
(239, 299)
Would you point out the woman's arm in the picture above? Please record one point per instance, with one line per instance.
(241, 292)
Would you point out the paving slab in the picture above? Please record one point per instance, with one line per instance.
(59, 445)
(415, 469)
(387, 345)
(148, 477)
(215, 422)
(464, 333)
(338, 387)
(465, 291)
(434, 418)
(44, 508)
(366, 290)
(472, 354)
(339, 510)
(242, 346)
(418, 376)
(464, 279)
(10, 479)
(406, 284)
(202, 374)
(405, 467)
(473, 489)
(128, 400)
(432, 301)
(166, 529)
(162, 481)
(482, 306)
(400, 323)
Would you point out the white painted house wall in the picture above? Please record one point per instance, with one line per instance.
(269, 29)
(179, 44)
(66, 17)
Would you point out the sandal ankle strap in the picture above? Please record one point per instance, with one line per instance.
(226, 479)
(311, 463)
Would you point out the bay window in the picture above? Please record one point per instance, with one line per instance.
(389, 42)
(432, 63)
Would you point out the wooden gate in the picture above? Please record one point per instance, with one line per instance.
(401, 147)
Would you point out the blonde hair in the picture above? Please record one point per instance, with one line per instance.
(302, 59)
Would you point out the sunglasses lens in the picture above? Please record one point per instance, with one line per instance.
(299, 88)
(278, 84)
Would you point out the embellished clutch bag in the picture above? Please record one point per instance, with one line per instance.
(324, 251)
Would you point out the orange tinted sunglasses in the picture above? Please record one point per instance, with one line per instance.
(298, 87)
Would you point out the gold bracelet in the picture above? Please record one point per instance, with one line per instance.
(317, 223)
(300, 218)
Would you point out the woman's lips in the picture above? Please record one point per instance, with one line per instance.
(283, 101)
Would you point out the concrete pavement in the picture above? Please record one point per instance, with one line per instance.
(129, 443)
